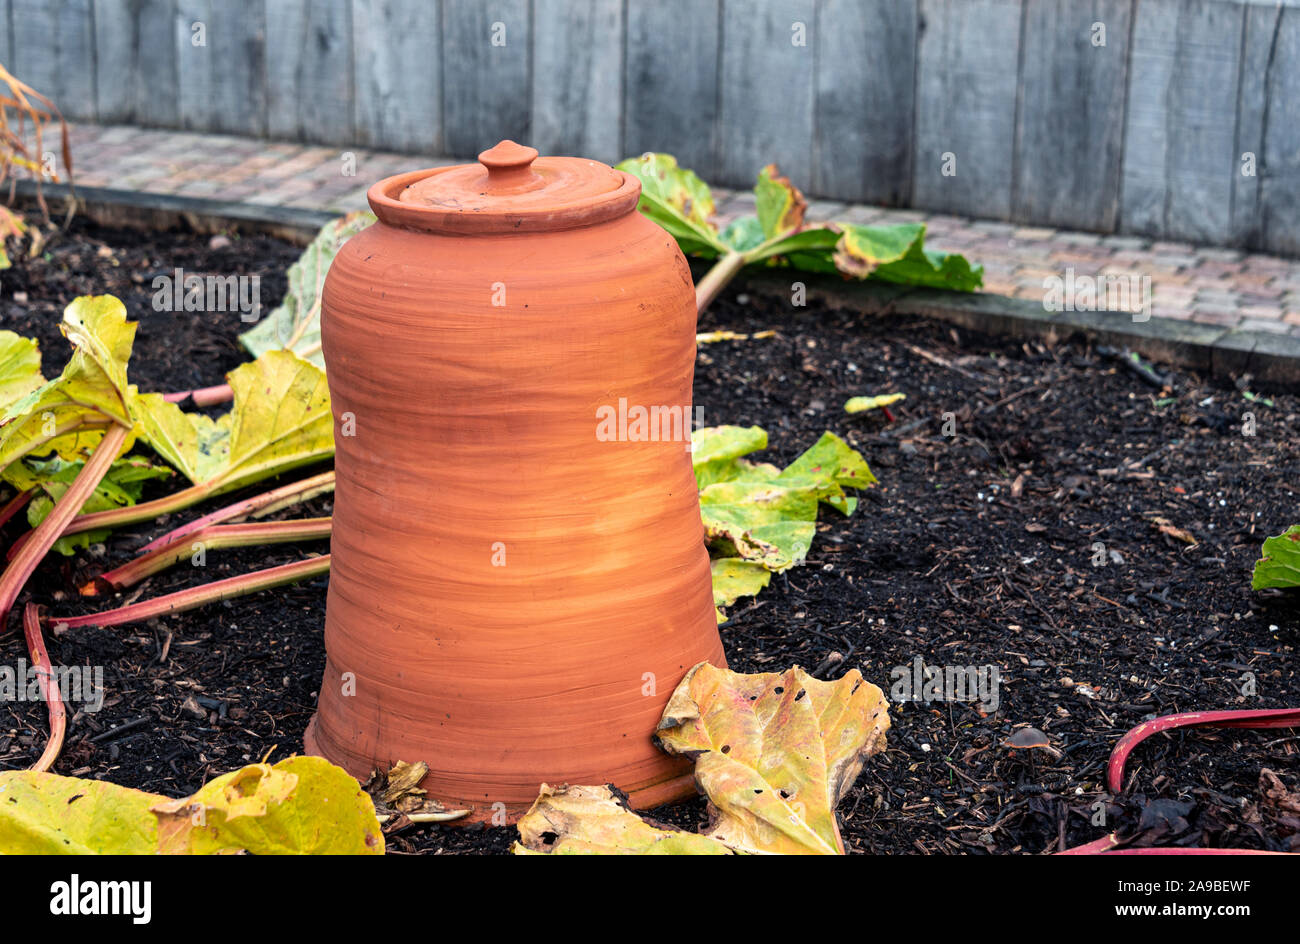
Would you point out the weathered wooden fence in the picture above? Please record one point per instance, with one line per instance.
(1173, 118)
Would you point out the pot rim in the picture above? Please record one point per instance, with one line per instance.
(384, 199)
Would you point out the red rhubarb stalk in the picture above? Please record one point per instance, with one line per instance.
(15, 505)
(1267, 718)
(49, 687)
(39, 542)
(202, 396)
(195, 597)
(286, 496)
(210, 538)
(127, 514)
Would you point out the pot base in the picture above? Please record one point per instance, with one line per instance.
(677, 788)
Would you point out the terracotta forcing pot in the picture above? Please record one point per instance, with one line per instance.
(519, 577)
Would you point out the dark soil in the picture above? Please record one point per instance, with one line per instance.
(977, 549)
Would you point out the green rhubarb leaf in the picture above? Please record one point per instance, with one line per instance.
(20, 367)
(715, 449)
(121, 486)
(830, 466)
(300, 806)
(295, 324)
(280, 419)
(896, 254)
(778, 203)
(734, 577)
(1280, 564)
(677, 200)
(759, 513)
(67, 415)
(760, 521)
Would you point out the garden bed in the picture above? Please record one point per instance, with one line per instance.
(976, 549)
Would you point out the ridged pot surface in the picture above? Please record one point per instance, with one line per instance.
(514, 590)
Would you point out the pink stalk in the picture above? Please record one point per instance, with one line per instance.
(15, 505)
(211, 538)
(39, 542)
(49, 687)
(203, 396)
(195, 597)
(127, 514)
(716, 279)
(1267, 718)
(286, 496)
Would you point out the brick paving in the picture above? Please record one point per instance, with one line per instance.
(1222, 287)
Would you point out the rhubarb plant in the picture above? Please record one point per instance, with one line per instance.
(777, 234)
(760, 519)
(774, 752)
(68, 415)
(280, 421)
(49, 479)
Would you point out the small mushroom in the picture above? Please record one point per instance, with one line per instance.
(1027, 738)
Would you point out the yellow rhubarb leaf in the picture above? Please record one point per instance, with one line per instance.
(596, 821)
(774, 752)
(67, 415)
(300, 806)
(280, 420)
(20, 367)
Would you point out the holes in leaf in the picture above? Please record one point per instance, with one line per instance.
(780, 690)
(800, 695)
(726, 748)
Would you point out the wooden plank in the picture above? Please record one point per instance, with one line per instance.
(135, 62)
(155, 78)
(577, 68)
(1180, 136)
(866, 60)
(397, 58)
(671, 82)
(54, 52)
(1273, 48)
(220, 65)
(6, 33)
(766, 90)
(486, 78)
(115, 58)
(966, 106)
(1070, 135)
(309, 70)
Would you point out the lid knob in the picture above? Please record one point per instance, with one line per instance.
(509, 167)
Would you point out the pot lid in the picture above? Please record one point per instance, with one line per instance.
(509, 190)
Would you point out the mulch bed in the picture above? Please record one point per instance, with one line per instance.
(977, 549)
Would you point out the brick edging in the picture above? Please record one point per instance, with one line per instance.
(1272, 359)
